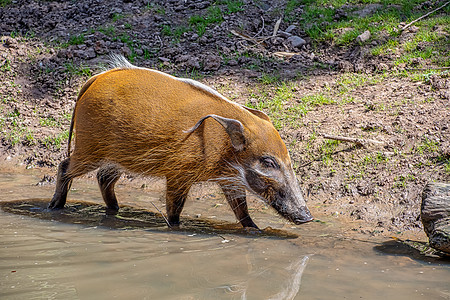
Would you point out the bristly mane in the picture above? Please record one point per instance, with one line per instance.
(117, 61)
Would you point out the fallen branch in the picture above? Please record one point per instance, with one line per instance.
(360, 142)
(424, 16)
(427, 69)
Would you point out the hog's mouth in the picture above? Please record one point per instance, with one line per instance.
(301, 221)
(300, 216)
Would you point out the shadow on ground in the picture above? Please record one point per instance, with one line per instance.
(414, 249)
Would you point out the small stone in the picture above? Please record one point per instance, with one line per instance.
(250, 73)
(202, 5)
(413, 29)
(358, 67)
(194, 37)
(126, 51)
(232, 62)
(179, 8)
(290, 28)
(363, 37)
(182, 58)
(212, 62)
(284, 34)
(276, 40)
(90, 53)
(115, 11)
(345, 66)
(193, 63)
(203, 40)
(10, 43)
(382, 67)
(296, 41)
(100, 47)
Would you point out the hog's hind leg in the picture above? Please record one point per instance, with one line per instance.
(63, 182)
(107, 177)
(68, 169)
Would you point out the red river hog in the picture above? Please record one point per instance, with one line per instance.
(150, 123)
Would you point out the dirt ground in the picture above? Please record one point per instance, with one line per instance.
(49, 49)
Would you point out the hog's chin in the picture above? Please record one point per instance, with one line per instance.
(301, 221)
(299, 216)
(302, 216)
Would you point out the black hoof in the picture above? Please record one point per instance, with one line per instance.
(111, 211)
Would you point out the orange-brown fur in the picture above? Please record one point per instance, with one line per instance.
(138, 120)
(134, 117)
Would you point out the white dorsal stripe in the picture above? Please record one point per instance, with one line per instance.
(120, 62)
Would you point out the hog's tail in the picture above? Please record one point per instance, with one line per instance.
(72, 122)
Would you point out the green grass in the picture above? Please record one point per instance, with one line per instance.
(107, 30)
(401, 181)
(283, 104)
(4, 3)
(55, 142)
(176, 32)
(200, 22)
(348, 82)
(327, 149)
(269, 78)
(6, 67)
(49, 122)
(427, 146)
(78, 70)
(233, 6)
(447, 166)
(317, 19)
(13, 129)
(76, 39)
(116, 17)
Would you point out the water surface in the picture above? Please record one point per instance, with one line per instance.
(83, 254)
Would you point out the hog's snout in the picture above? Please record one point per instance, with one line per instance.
(303, 216)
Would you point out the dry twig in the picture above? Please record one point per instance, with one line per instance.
(262, 28)
(360, 142)
(277, 26)
(281, 54)
(165, 219)
(424, 16)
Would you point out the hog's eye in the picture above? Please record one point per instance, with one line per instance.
(269, 162)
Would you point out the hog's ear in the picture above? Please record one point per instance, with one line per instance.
(257, 113)
(233, 127)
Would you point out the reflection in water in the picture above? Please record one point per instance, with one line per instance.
(293, 283)
(289, 289)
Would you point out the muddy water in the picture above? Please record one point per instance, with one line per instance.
(80, 253)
